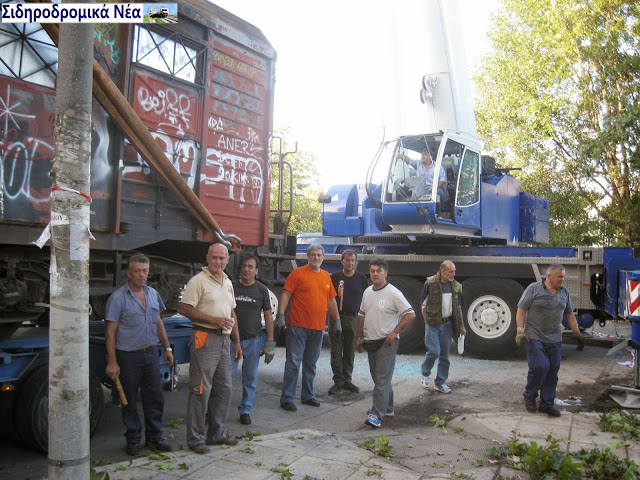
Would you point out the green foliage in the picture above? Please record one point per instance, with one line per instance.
(93, 475)
(558, 96)
(284, 473)
(625, 423)
(174, 423)
(552, 462)
(605, 465)
(382, 448)
(539, 462)
(436, 421)
(249, 435)
(305, 216)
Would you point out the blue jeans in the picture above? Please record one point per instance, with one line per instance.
(544, 363)
(438, 343)
(251, 349)
(303, 346)
(381, 365)
(141, 370)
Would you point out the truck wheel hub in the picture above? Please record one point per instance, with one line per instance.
(489, 317)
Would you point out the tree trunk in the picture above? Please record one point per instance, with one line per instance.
(69, 271)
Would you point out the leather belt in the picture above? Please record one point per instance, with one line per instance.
(143, 350)
(216, 331)
(446, 319)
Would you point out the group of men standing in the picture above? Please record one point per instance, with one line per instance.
(363, 317)
(219, 340)
(227, 326)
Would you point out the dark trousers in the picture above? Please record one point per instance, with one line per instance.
(343, 350)
(141, 371)
(544, 363)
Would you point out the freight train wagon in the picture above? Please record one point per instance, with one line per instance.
(202, 89)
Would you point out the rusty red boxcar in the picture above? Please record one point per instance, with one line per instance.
(204, 89)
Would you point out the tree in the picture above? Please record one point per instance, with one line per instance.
(306, 189)
(559, 97)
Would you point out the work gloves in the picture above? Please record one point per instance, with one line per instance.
(335, 328)
(521, 337)
(269, 351)
(279, 324)
(578, 336)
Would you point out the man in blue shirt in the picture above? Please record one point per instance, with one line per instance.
(426, 169)
(133, 328)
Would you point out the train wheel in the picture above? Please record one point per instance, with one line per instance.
(32, 409)
(412, 337)
(491, 316)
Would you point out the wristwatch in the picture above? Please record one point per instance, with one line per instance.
(169, 349)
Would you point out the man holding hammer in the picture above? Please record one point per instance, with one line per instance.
(133, 328)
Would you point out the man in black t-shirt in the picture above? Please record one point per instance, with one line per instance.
(350, 285)
(252, 300)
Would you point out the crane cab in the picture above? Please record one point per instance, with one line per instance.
(432, 186)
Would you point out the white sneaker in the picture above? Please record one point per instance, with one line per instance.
(444, 388)
(424, 381)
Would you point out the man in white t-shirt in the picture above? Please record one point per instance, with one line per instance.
(384, 312)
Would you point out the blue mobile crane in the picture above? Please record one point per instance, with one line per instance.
(478, 217)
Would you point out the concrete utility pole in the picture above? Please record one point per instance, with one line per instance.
(69, 271)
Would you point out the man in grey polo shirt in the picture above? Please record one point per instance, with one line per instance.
(542, 305)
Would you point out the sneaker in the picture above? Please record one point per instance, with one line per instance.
(444, 388)
(530, 404)
(389, 415)
(289, 406)
(424, 381)
(335, 389)
(133, 449)
(551, 411)
(158, 446)
(373, 421)
(245, 419)
(311, 401)
(200, 449)
(351, 387)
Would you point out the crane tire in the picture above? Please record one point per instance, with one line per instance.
(490, 306)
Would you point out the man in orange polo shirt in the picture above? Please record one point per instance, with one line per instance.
(309, 292)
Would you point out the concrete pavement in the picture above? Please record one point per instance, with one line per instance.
(307, 454)
(484, 408)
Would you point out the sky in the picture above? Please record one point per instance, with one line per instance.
(346, 73)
